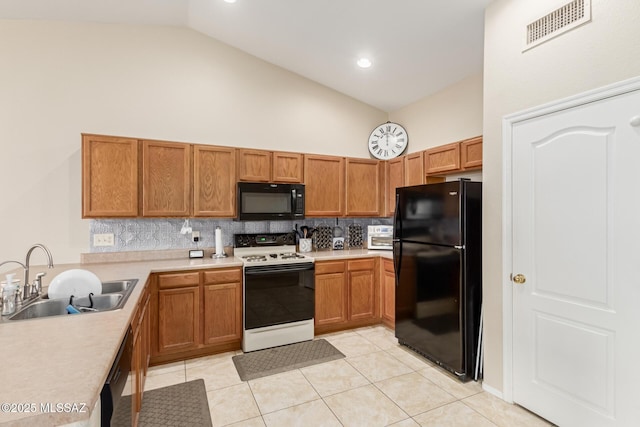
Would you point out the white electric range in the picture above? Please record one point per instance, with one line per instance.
(278, 290)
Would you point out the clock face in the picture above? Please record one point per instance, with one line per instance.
(388, 140)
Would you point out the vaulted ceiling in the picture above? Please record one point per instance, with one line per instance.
(417, 47)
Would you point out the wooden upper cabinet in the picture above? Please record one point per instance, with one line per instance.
(324, 178)
(287, 167)
(365, 181)
(109, 176)
(166, 179)
(214, 181)
(471, 153)
(414, 169)
(254, 165)
(395, 179)
(445, 158)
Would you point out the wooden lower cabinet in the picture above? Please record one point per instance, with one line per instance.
(179, 319)
(222, 306)
(388, 291)
(347, 294)
(331, 293)
(140, 355)
(362, 282)
(195, 313)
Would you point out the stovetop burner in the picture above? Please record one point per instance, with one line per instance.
(268, 248)
(252, 258)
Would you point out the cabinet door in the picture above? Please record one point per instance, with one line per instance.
(471, 153)
(331, 293)
(222, 305)
(178, 319)
(414, 169)
(166, 179)
(364, 187)
(214, 181)
(287, 167)
(388, 294)
(324, 182)
(109, 176)
(445, 158)
(395, 179)
(222, 313)
(140, 355)
(362, 289)
(254, 165)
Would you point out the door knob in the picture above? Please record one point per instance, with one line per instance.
(519, 279)
(635, 121)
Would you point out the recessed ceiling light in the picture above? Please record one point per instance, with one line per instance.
(364, 63)
(230, 1)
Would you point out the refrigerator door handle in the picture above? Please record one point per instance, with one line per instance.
(397, 259)
(397, 219)
(397, 236)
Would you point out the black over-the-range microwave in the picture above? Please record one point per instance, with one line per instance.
(262, 201)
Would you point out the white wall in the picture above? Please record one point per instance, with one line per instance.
(598, 53)
(453, 114)
(58, 80)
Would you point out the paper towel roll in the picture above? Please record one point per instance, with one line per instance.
(219, 247)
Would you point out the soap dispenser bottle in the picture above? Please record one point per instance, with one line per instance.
(9, 292)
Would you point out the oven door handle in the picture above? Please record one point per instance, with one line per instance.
(269, 269)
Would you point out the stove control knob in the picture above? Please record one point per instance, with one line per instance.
(273, 255)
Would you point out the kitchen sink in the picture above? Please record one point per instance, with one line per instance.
(117, 286)
(42, 308)
(114, 296)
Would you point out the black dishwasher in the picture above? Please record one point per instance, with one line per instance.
(116, 380)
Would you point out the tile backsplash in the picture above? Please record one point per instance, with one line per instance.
(164, 233)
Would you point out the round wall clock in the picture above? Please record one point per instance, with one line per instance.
(387, 141)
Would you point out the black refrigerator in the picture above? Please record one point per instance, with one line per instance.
(437, 252)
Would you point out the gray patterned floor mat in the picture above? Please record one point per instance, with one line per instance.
(179, 405)
(275, 360)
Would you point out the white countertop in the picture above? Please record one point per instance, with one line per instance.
(66, 359)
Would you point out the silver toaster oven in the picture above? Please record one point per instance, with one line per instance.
(380, 237)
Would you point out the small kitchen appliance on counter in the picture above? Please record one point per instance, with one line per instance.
(380, 237)
(278, 289)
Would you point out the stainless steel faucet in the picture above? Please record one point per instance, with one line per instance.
(37, 285)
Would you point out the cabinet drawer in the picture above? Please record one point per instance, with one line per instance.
(329, 267)
(178, 280)
(362, 264)
(388, 265)
(222, 276)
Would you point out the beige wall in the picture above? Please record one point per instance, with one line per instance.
(598, 53)
(453, 114)
(60, 79)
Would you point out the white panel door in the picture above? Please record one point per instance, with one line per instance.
(576, 241)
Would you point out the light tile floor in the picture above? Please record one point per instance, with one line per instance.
(378, 383)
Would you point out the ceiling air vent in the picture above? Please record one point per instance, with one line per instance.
(558, 22)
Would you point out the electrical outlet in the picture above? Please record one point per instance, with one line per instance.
(106, 239)
(195, 236)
